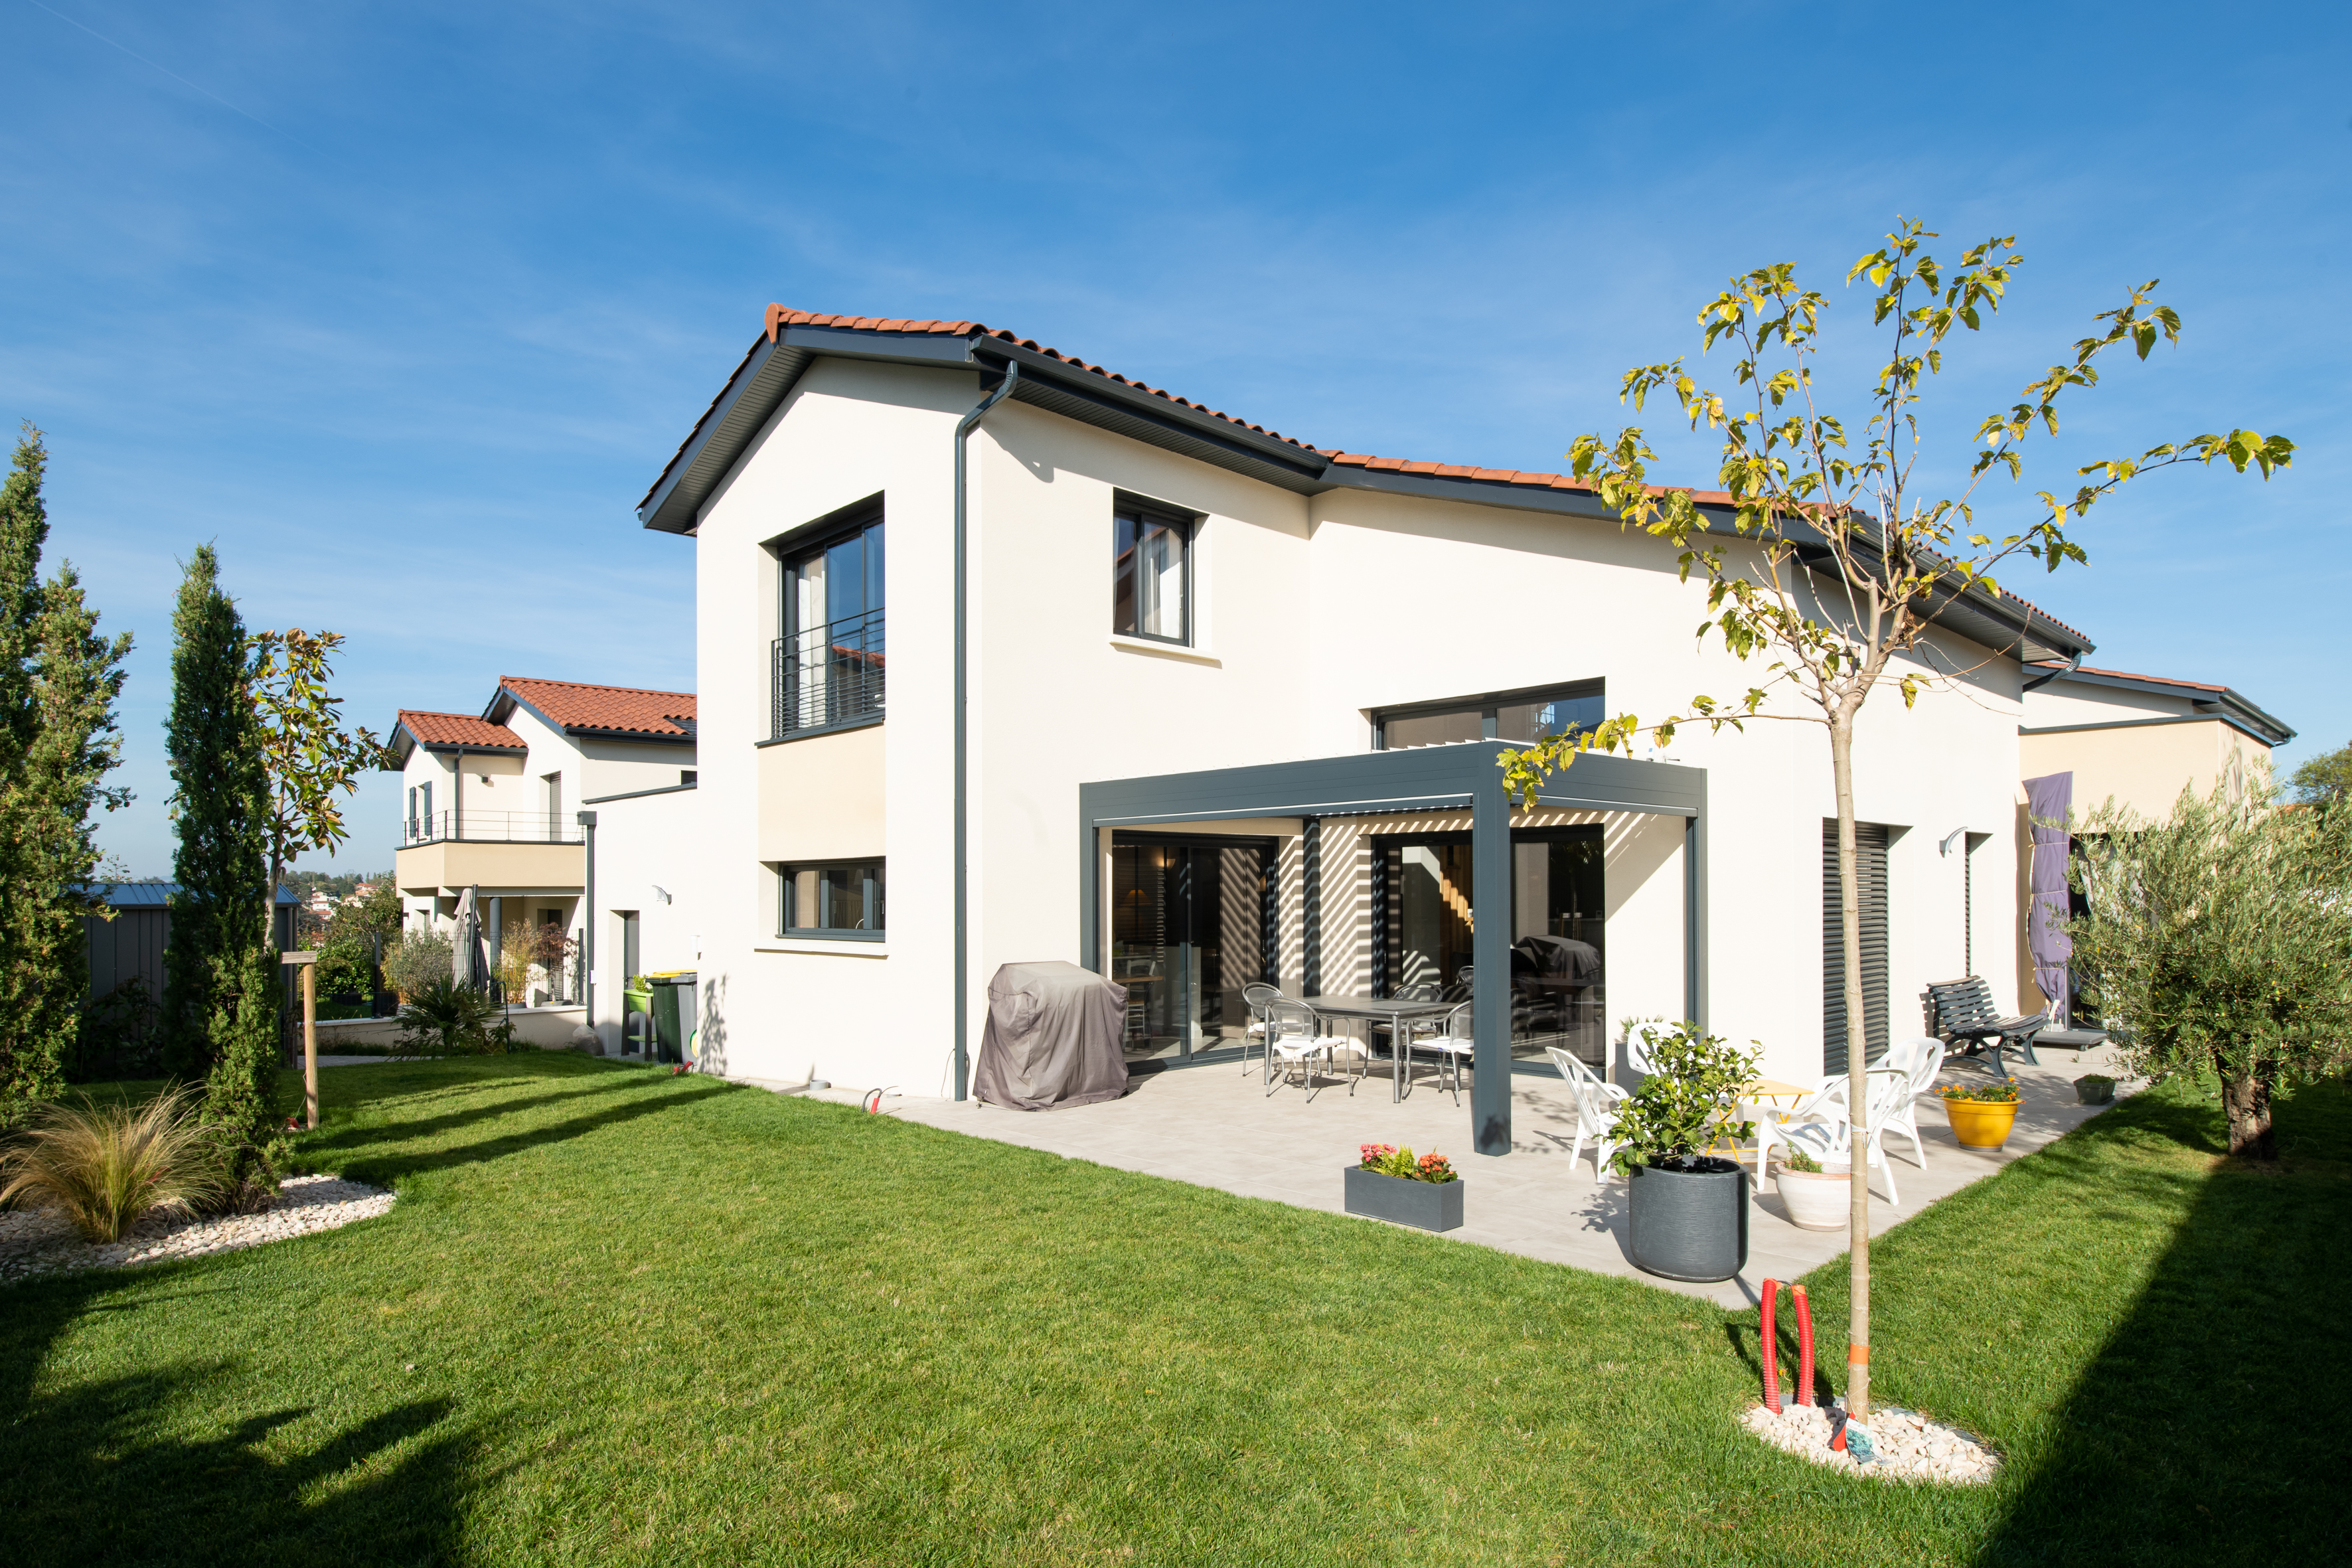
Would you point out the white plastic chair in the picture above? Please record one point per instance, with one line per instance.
(1827, 1133)
(1596, 1109)
(1920, 1057)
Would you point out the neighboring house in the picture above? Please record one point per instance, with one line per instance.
(2141, 739)
(1233, 702)
(492, 801)
(2089, 736)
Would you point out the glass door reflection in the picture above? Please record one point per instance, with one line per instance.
(1187, 933)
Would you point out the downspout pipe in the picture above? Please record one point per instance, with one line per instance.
(964, 427)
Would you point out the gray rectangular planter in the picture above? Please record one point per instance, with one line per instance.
(1427, 1206)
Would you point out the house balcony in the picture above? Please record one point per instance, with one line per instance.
(514, 851)
(827, 676)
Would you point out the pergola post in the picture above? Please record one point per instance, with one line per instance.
(1490, 948)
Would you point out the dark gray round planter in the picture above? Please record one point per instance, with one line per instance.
(1689, 1225)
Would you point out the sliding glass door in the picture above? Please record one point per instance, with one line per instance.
(1189, 929)
(1424, 924)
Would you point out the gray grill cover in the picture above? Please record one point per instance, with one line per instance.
(1052, 1039)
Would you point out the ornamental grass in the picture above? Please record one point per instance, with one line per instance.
(106, 1167)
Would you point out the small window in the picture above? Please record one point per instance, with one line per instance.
(1518, 716)
(840, 899)
(1152, 571)
(686, 775)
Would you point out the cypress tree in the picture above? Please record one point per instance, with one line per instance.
(220, 981)
(58, 683)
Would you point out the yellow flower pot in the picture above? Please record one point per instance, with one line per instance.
(1980, 1123)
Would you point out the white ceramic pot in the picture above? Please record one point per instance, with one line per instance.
(1816, 1200)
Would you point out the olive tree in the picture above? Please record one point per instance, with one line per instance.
(1836, 555)
(2219, 943)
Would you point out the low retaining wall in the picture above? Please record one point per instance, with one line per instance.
(549, 1027)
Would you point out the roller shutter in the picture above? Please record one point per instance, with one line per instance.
(1869, 854)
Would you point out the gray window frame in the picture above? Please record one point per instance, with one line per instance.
(1189, 523)
(1488, 704)
(872, 900)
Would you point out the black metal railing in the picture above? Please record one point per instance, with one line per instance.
(828, 675)
(492, 827)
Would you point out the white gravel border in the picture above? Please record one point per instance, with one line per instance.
(1907, 1444)
(42, 1241)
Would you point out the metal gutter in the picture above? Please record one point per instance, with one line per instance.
(963, 828)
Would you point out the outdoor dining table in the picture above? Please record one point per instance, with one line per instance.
(1771, 1090)
(1396, 1010)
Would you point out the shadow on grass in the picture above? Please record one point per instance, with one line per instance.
(138, 1468)
(380, 1170)
(2208, 1427)
(348, 1135)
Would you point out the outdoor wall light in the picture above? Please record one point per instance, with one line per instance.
(1949, 839)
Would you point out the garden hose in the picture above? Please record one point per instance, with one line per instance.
(874, 1099)
(1771, 1363)
(1804, 1346)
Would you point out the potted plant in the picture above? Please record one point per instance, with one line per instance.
(1687, 1209)
(1816, 1198)
(2095, 1088)
(1390, 1183)
(1981, 1113)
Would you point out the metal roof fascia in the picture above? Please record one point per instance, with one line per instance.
(1474, 492)
(1299, 462)
(2250, 718)
(753, 394)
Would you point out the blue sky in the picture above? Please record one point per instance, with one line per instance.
(405, 306)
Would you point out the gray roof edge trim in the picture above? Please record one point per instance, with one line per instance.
(2230, 720)
(1093, 386)
(2226, 697)
(651, 510)
(1470, 491)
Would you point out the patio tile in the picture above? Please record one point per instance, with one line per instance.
(1184, 1123)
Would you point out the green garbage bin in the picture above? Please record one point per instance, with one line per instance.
(637, 997)
(672, 1012)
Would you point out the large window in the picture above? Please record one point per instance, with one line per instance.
(829, 661)
(1520, 716)
(1152, 571)
(841, 898)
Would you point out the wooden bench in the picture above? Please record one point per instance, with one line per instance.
(1961, 1011)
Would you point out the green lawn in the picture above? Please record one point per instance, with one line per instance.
(619, 1316)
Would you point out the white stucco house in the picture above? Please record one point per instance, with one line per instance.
(494, 801)
(1231, 703)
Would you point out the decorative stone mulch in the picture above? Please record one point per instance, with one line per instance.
(41, 1241)
(1906, 1445)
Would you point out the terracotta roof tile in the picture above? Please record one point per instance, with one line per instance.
(464, 729)
(617, 709)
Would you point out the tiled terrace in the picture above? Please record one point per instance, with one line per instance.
(1216, 1127)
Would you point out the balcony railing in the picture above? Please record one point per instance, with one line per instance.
(828, 675)
(491, 827)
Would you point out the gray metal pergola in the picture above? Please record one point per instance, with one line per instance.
(1420, 778)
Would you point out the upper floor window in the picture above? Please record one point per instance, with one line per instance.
(1152, 571)
(1520, 716)
(829, 660)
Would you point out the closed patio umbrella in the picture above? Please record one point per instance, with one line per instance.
(2049, 804)
(466, 954)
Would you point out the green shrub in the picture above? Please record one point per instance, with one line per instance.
(444, 1018)
(420, 959)
(106, 1165)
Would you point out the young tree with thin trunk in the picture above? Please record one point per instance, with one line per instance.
(310, 758)
(1834, 566)
(58, 683)
(220, 986)
(2220, 941)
